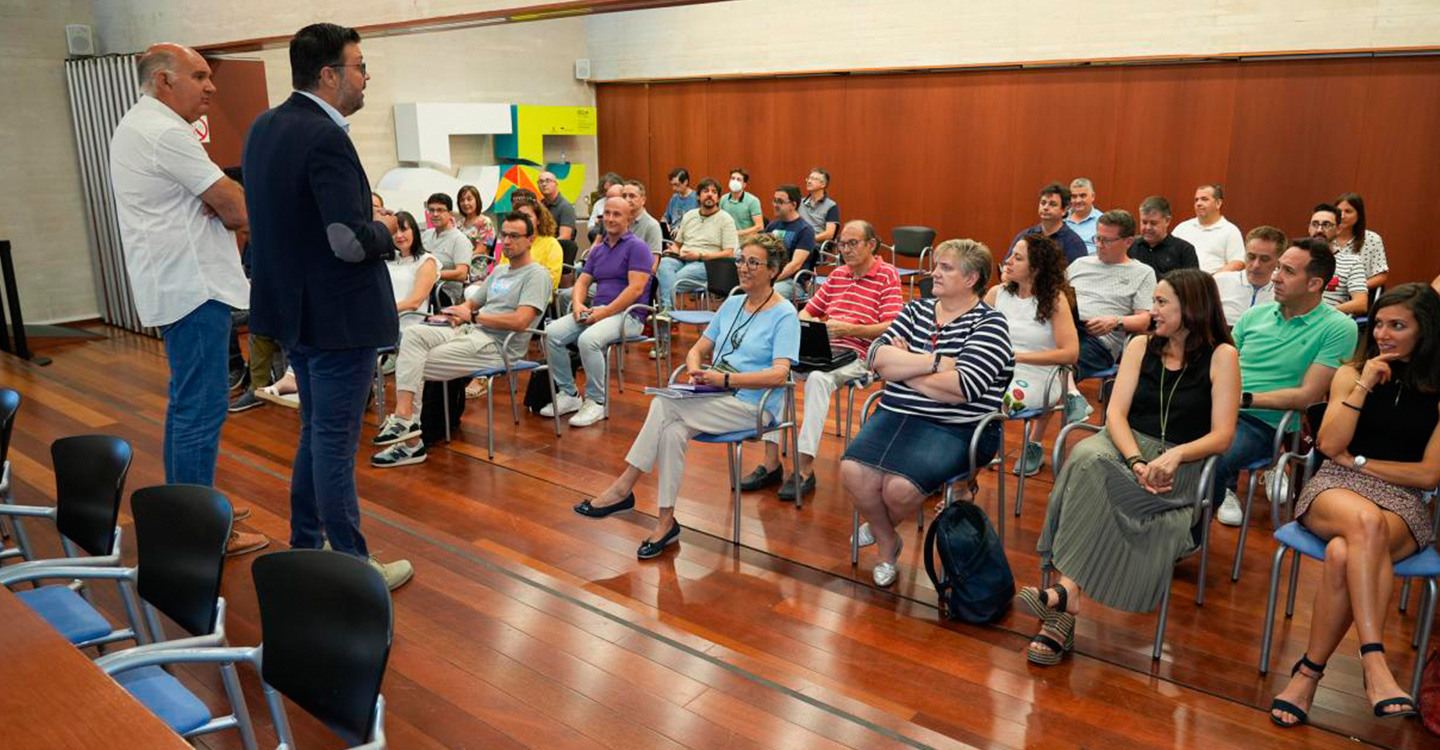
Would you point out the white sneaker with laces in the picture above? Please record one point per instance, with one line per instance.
(565, 401)
(590, 413)
(1230, 513)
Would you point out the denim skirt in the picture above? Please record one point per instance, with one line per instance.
(926, 452)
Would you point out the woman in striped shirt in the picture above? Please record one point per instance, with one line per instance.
(946, 362)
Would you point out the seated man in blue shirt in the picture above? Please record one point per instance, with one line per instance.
(1054, 201)
(799, 238)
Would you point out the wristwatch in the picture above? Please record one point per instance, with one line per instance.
(1360, 462)
(1246, 399)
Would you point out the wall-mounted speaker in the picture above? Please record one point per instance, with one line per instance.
(582, 69)
(79, 41)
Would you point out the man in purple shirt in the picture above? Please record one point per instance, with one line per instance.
(618, 266)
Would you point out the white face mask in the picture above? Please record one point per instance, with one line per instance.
(735, 186)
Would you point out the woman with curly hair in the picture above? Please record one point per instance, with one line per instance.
(1034, 298)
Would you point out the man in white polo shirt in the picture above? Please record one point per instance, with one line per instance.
(1218, 243)
(177, 211)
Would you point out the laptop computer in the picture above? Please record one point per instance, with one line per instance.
(816, 353)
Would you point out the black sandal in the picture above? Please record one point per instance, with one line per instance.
(1410, 708)
(1301, 716)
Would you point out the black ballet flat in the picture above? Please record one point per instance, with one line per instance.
(651, 549)
(1409, 703)
(594, 511)
(1301, 716)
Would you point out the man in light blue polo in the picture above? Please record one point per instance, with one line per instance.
(1289, 351)
(1083, 217)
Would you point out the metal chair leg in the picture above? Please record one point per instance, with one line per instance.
(231, 679)
(1244, 527)
(1204, 556)
(1404, 595)
(1270, 602)
(1160, 625)
(445, 403)
(732, 452)
(1425, 624)
(556, 412)
(514, 402)
(489, 416)
(1025, 431)
(1294, 584)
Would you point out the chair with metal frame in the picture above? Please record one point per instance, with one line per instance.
(970, 475)
(327, 624)
(90, 472)
(1255, 469)
(1296, 540)
(622, 344)
(912, 242)
(508, 369)
(378, 388)
(1026, 417)
(722, 279)
(1202, 505)
(735, 440)
(9, 406)
(180, 535)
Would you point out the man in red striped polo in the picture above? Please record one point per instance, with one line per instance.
(857, 303)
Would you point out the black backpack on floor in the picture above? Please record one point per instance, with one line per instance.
(976, 585)
(432, 415)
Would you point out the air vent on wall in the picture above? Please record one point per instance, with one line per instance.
(78, 40)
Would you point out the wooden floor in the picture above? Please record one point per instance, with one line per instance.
(530, 626)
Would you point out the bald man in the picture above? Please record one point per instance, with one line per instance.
(177, 212)
(559, 206)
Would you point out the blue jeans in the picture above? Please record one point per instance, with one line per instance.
(334, 384)
(1254, 440)
(592, 342)
(1094, 357)
(672, 271)
(197, 346)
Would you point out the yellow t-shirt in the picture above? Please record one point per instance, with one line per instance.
(545, 251)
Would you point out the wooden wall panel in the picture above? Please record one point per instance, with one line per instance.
(623, 138)
(1400, 163)
(240, 97)
(966, 152)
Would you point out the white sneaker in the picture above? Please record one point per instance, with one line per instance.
(590, 413)
(1230, 513)
(566, 402)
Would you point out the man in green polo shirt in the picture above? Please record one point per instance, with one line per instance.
(1289, 350)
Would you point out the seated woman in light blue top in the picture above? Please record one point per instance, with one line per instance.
(752, 342)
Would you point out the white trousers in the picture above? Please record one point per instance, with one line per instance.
(441, 353)
(819, 387)
(669, 427)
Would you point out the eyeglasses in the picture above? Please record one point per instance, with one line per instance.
(750, 263)
(849, 244)
(1107, 240)
(546, 181)
(1322, 225)
(436, 210)
(779, 201)
(512, 236)
(361, 66)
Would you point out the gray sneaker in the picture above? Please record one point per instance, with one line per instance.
(244, 401)
(399, 454)
(1077, 409)
(1031, 460)
(396, 574)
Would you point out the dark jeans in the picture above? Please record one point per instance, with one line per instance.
(237, 318)
(1254, 440)
(196, 348)
(1094, 357)
(333, 384)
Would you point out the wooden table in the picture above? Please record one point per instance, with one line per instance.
(52, 696)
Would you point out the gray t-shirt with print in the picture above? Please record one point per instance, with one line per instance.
(1103, 289)
(452, 248)
(507, 290)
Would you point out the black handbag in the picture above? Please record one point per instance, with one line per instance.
(974, 583)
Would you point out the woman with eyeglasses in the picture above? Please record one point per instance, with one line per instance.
(945, 362)
(751, 343)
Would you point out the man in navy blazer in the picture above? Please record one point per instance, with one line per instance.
(318, 281)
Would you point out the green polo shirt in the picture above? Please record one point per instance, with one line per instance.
(742, 211)
(1275, 352)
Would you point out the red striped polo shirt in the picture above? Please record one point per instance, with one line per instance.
(867, 300)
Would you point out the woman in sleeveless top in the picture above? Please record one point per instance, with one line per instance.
(478, 227)
(1121, 512)
(1381, 439)
(412, 272)
(1034, 302)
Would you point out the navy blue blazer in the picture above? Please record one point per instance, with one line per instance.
(317, 256)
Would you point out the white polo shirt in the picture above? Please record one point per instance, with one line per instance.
(177, 257)
(1215, 245)
(1238, 295)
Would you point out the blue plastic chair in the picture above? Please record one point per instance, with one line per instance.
(1255, 468)
(1025, 417)
(508, 369)
(735, 440)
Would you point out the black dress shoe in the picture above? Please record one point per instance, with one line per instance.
(593, 511)
(787, 490)
(761, 477)
(651, 549)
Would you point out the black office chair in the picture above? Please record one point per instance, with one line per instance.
(326, 621)
(912, 242)
(180, 535)
(90, 473)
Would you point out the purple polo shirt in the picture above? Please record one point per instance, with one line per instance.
(610, 267)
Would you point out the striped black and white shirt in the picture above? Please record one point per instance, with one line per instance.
(979, 341)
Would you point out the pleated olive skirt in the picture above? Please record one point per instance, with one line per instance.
(1118, 560)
